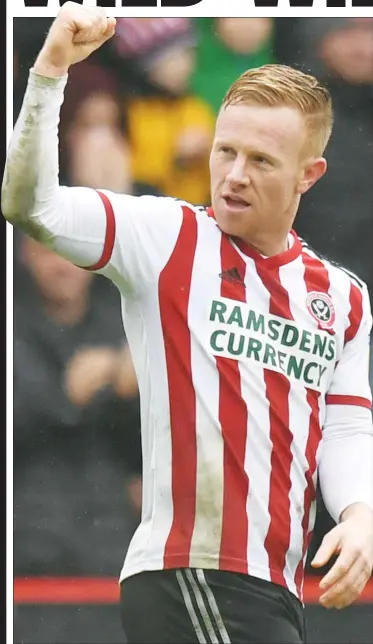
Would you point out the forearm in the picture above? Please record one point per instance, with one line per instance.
(71, 221)
(30, 181)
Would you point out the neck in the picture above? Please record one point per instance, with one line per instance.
(66, 313)
(268, 246)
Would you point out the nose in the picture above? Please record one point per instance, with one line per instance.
(237, 175)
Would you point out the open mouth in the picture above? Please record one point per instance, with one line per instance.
(236, 203)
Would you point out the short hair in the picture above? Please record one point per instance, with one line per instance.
(284, 86)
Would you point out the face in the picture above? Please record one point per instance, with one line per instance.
(349, 53)
(99, 108)
(58, 280)
(244, 35)
(172, 71)
(258, 169)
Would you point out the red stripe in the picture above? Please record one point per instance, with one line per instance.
(233, 420)
(105, 590)
(316, 274)
(356, 312)
(314, 437)
(174, 290)
(109, 235)
(316, 278)
(277, 391)
(359, 401)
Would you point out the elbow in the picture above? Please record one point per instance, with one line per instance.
(6, 207)
(18, 194)
(17, 204)
(23, 206)
(8, 200)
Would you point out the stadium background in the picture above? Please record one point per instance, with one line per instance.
(138, 117)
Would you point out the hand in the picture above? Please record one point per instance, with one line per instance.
(76, 32)
(352, 540)
(90, 370)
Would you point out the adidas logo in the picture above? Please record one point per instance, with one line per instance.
(232, 275)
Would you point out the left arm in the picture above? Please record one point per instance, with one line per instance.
(346, 470)
(346, 481)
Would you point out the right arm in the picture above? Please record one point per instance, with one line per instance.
(31, 196)
(129, 239)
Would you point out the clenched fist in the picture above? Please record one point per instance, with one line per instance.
(76, 32)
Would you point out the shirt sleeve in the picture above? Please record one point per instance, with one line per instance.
(129, 239)
(346, 460)
(350, 382)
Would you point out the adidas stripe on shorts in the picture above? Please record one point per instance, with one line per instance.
(208, 606)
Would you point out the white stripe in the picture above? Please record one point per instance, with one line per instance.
(202, 607)
(9, 342)
(190, 609)
(148, 542)
(205, 545)
(258, 441)
(210, 8)
(213, 605)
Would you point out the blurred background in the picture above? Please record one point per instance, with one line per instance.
(138, 117)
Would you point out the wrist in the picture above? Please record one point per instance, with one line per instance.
(360, 510)
(45, 67)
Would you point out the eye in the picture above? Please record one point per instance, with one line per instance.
(260, 160)
(225, 149)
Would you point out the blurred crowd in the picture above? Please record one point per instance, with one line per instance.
(138, 117)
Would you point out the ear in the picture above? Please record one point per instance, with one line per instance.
(313, 170)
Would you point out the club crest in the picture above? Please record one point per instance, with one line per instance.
(321, 308)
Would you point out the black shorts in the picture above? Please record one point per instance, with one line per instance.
(196, 606)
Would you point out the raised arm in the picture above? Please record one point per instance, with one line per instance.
(31, 196)
(129, 239)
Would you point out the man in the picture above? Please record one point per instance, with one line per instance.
(251, 355)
